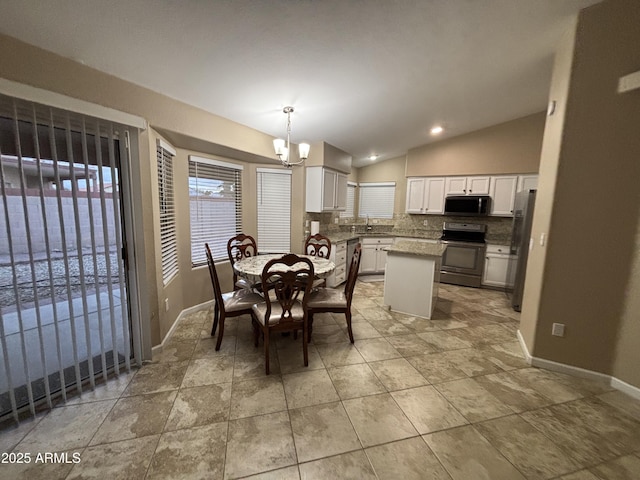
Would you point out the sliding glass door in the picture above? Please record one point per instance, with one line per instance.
(64, 308)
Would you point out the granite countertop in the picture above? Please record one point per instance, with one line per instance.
(345, 236)
(419, 249)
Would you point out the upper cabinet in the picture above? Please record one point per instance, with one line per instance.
(326, 190)
(478, 185)
(502, 191)
(527, 182)
(425, 195)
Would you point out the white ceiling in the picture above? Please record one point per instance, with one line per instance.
(367, 76)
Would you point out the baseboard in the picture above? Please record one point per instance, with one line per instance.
(616, 383)
(187, 311)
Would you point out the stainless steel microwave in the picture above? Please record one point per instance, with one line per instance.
(467, 205)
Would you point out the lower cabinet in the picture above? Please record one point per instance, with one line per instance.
(339, 257)
(374, 255)
(498, 265)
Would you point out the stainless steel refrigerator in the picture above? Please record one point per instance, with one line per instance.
(520, 238)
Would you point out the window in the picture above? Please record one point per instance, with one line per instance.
(376, 200)
(168, 242)
(350, 212)
(215, 206)
(274, 210)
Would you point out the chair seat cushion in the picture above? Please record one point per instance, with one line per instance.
(327, 298)
(240, 300)
(260, 311)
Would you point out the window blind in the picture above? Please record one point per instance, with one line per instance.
(168, 240)
(274, 211)
(350, 211)
(377, 199)
(215, 205)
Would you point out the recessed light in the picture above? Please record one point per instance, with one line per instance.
(372, 157)
(437, 130)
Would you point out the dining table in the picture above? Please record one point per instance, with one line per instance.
(251, 268)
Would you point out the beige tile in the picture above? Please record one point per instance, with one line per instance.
(158, 377)
(66, 428)
(197, 406)
(535, 455)
(623, 402)
(267, 437)
(257, 396)
(374, 313)
(436, 368)
(546, 384)
(623, 468)
(175, 351)
(416, 324)
(134, 417)
(580, 475)
(321, 431)
(326, 334)
(427, 409)
(378, 419)
(472, 400)
(483, 335)
(309, 388)
(206, 347)
(376, 349)
(35, 469)
(185, 332)
(586, 387)
(348, 465)
(513, 392)
(124, 460)
(11, 433)
(111, 389)
(468, 455)
(287, 473)
(209, 371)
(443, 340)
(194, 453)
(338, 354)
(291, 358)
(397, 374)
(471, 362)
(409, 459)
(410, 345)
(389, 327)
(507, 356)
(361, 330)
(252, 365)
(355, 381)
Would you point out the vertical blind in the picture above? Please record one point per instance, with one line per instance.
(168, 239)
(64, 317)
(215, 206)
(274, 210)
(376, 199)
(350, 211)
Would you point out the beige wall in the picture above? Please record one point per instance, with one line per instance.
(589, 276)
(324, 155)
(391, 170)
(510, 147)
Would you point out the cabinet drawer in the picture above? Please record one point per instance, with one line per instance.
(341, 257)
(377, 241)
(498, 249)
(341, 247)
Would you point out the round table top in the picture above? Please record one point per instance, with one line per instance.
(253, 266)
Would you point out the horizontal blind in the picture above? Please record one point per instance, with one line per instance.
(215, 205)
(168, 240)
(350, 211)
(376, 200)
(274, 211)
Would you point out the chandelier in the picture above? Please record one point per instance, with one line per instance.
(283, 150)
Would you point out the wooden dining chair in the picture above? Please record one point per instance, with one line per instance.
(239, 247)
(333, 300)
(318, 246)
(284, 308)
(231, 304)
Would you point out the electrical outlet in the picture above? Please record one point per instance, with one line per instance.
(375, 220)
(336, 220)
(425, 223)
(557, 329)
(166, 304)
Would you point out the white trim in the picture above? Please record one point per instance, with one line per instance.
(352, 184)
(166, 146)
(377, 184)
(196, 308)
(217, 163)
(616, 383)
(57, 100)
(273, 170)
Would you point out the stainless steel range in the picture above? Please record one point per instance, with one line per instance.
(463, 261)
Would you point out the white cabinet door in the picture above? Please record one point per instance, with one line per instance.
(341, 191)
(381, 259)
(434, 195)
(478, 185)
(369, 259)
(496, 266)
(415, 195)
(328, 190)
(527, 182)
(502, 191)
(456, 186)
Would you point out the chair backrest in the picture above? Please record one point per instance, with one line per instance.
(239, 247)
(353, 274)
(290, 279)
(217, 293)
(318, 246)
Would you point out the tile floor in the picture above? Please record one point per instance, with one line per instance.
(448, 398)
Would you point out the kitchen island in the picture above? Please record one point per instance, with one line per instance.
(412, 277)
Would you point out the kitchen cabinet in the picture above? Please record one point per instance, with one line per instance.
(498, 265)
(502, 192)
(478, 185)
(527, 182)
(339, 257)
(374, 255)
(425, 195)
(326, 190)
